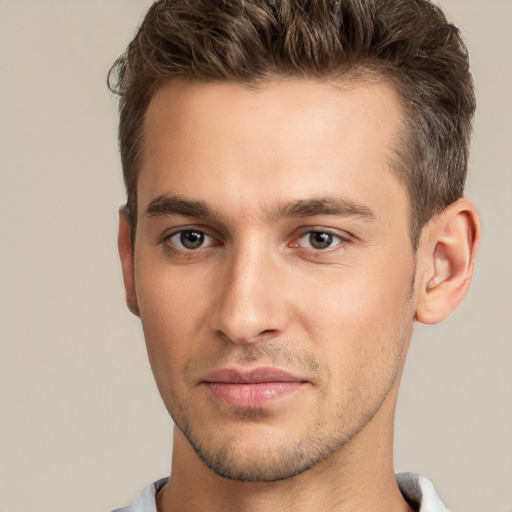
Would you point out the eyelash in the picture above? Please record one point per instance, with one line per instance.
(173, 247)
(168, 243)
(323, 232)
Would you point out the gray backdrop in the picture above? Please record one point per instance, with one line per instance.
(82, 427)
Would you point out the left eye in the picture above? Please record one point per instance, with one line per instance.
(191, 239)
(319, 240)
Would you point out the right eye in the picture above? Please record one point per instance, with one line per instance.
(190, 239)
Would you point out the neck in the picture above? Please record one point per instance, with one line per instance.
(358, 477)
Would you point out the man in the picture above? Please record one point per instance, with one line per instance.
(295, 172)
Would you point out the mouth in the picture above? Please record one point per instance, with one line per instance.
(251, 389)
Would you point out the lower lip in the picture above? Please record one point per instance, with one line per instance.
(254, 395)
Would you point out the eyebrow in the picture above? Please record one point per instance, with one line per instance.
(337, 206)
(174, 205)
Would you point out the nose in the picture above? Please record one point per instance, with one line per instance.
(251, 305)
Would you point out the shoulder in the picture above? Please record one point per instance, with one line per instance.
(145, 501)
(419, 493)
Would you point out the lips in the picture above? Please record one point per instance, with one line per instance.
(254, 389)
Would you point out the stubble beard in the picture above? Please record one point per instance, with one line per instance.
(318, 442)
(268, 464)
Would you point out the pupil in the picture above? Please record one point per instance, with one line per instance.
(192, 239)
(320, 240)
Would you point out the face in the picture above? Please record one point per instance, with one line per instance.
(273, 267)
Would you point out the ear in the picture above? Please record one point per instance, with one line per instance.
(446, 259)
(124, 245)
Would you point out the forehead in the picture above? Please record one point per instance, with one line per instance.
(227, 143)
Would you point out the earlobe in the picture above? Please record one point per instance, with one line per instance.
(446, 259)
(127, 262)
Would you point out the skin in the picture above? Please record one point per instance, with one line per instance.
(257, 177)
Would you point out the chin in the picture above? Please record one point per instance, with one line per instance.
(261, 461)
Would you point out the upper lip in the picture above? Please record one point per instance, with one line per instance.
(250, 376)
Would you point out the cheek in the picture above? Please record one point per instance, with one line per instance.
(172, 310)
(362, 299)
(170, 297)
(364, 317)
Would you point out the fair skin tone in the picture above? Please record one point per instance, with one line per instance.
(277, 285)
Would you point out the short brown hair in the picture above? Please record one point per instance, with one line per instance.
(406, 42)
